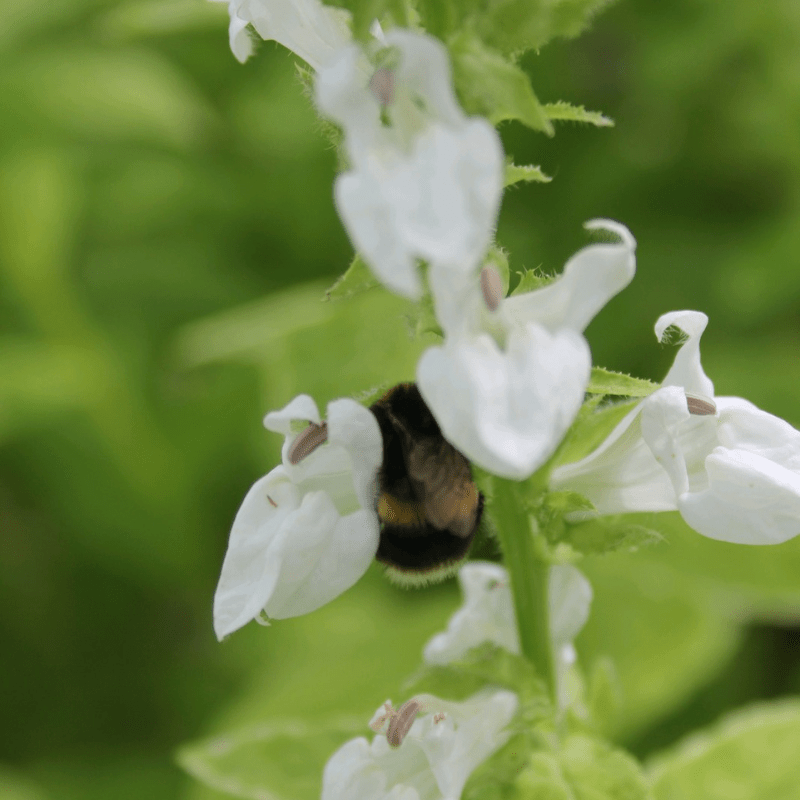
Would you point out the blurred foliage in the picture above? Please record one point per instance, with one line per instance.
(166, 234)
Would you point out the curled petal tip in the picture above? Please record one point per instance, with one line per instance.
(615, 227)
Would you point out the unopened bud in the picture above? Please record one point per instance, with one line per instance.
(307, 441)
(700, 406)
(491, 288)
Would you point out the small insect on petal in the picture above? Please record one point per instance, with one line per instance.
(382, 86)
(307, 441)
(491, 288)
(401, 722)
(700, 406)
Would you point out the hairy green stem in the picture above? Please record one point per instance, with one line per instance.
(529, 574)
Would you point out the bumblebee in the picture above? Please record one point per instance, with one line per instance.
(427, 502)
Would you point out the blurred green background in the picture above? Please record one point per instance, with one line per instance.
(166, 232)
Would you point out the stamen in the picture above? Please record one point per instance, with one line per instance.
(401, 722)
(307, 442)
(439, 717)
(272, 502)
(491, 288)
(388, 712)
(700, 406)
(382, 86)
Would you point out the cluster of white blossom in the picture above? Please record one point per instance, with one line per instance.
(441, 742)
(424, 182)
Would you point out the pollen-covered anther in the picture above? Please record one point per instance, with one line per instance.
(401, 722)
(440, 717)
(307, 441)
(491, 288)
(700, 406)
(382, 86)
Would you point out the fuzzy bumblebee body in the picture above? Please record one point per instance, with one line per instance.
(427, 502)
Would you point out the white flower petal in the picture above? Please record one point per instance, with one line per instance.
(733, 475)
(249, 572)
(355, 428)
(427, 185)
(301, 409)
(570, 597)
(487, 613)
(590, 279)
(506, 410)
(306, 532)
(306, 27)
(323, 556)
(686, 370)
(434, 760)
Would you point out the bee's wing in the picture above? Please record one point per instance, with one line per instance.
(442, 475)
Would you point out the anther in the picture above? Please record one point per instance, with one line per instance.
(307, 442)
(401, 722)
(491, 287)
(700, 406)
(382, 86)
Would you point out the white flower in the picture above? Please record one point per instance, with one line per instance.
(425, 180)
(487, 615)
(732, 470)
(307, 531)
(306, 27)
(436, 757)
(506, 384)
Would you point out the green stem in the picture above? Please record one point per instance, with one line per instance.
(529, 574)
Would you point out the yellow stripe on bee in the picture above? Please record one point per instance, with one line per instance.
(396, 512)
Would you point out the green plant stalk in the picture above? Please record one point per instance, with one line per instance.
(529, 572)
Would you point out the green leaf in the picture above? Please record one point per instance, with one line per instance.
(584, 768)
(16, 786)
(279, 760)
(358, 278)
(514, 26)
(604, 381)
(751, 754)
(608, 534)
(644, 616)
(492, 86)
(566, 112)
(516, 173)
(110, 94)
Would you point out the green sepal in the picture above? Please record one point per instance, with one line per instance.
(358, 278)
(492, 86)
(605, 534)
(591, 427)
(516, 173)
(566, 112)
(604, 381)
(530, 280)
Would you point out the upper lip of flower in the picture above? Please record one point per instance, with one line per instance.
(308, 530)
(506, 385)
(733, 471)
